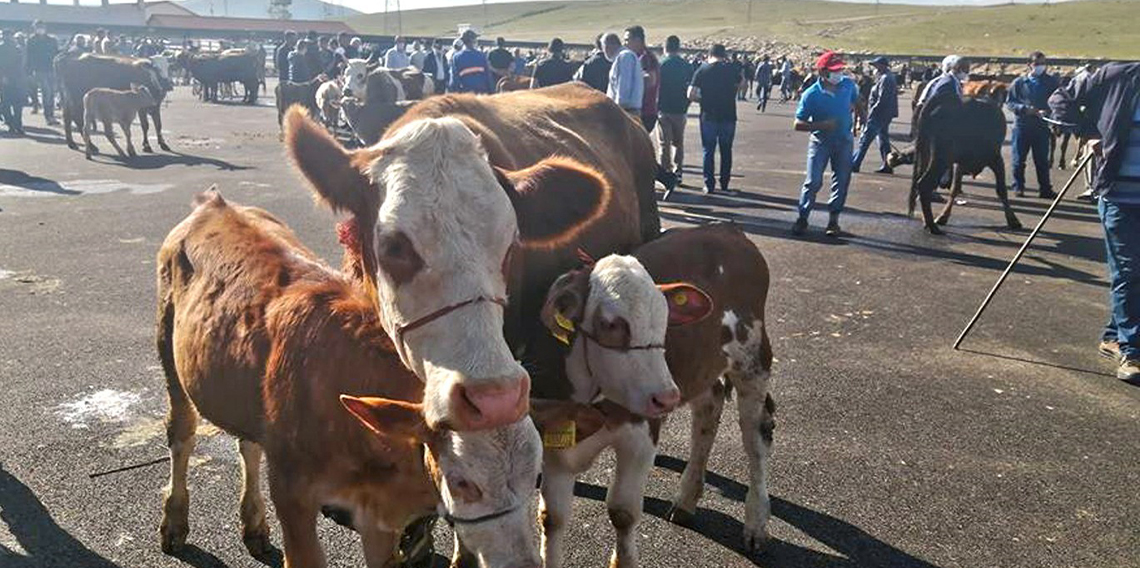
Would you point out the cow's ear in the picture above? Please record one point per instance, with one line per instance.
(687, 303)
(549, 415)
(555, 199)
(337, 176)
(565, 304)
(389, 418)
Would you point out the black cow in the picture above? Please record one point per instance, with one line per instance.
(966, 135)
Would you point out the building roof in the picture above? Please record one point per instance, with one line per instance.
(209, 23)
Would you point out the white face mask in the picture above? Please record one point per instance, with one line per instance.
(834, 77)
(1038, 70)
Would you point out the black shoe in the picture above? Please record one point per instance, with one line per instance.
(800, 226)
(1019, 192)
(1047, 194)
(885, 170)
(935, 198)
(854, 170)
(833, 229)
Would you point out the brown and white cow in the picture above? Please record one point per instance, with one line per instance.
(264, 340)
(458, 184)
(713, 286)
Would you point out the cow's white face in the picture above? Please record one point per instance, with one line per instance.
(355, 78)
(443, 232)
(619, 348)
(487, 483)
(438, 226)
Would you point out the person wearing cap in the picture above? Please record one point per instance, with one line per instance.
(825, 110)
(554, 70)
(1028, 100)
(1104, 106)
(42, 49)
(470, 70)
(500, 59)
(882, 108)
(397, 56)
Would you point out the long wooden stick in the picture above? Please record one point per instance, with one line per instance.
(1024, 247)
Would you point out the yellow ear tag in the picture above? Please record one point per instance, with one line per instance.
(561, 336)
(680, 298)
(563, 322)
(561, 436)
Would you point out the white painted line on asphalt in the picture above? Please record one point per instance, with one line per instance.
(50, 188)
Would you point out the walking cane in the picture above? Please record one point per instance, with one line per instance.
(1017, 257)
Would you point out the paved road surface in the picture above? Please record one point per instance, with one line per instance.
(891, 449)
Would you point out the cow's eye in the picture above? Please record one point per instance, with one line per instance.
(612, 332)
(398, 257)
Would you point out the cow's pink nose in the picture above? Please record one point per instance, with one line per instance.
(664, 402)
(483, 407)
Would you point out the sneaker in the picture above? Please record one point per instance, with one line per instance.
(1109, 350)
(1129, 370)
(1088, 196)
(707, 190)
(885, 170)
(800, 226)
(833, 229)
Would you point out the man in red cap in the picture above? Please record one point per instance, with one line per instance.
(825, 110)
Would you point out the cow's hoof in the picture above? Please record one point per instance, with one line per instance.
(755, 539)
(94, 150)
(173, 536)
(164, 147)
(257, 542)
(934, 230)
(146, 148)
(681, 517)
(73, 145)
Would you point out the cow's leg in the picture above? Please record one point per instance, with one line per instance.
(556, 511)
(254, 530)
(156, 114)
(181, 424)
(297, 512)
(110, 134)
(955, 191)
(634, 452)
(126, 126)
(144, 124)
(1065, 136)
(379, 546)
(69, 119)
(925, 186)
(88, 148)
(998, 167)
(749, 373)
(706, 420)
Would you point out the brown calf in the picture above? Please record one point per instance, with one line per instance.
(261, 338)
(110, 106)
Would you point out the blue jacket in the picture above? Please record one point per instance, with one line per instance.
(883, 103)
(470, 72)
(1027, 95)
(1102, 104)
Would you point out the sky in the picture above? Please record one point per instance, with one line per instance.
(378, 5)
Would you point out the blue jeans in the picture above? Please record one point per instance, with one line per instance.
(45, 81)
(1122, 239)
(1027, 137)
(763, 91)
(823, 149)
(716, 133)
(875, 128)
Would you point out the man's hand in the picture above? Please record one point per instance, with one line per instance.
(1096, 147)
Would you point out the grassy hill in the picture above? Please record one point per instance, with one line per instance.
(1087, 28)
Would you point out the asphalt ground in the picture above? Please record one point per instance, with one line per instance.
(891, 449)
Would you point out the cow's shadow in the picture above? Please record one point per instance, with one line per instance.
(147, 161)
(42, 543)
(854, 544)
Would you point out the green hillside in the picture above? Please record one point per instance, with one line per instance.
(1087, 28)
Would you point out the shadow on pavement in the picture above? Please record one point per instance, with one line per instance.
(33, 183)
(854, 544)
(45, 544)
(157, 161)
(1036, 362)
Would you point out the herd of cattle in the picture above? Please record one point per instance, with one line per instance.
(470, 340)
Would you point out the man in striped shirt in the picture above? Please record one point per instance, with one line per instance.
(1105, 106)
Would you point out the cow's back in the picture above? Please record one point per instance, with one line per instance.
(80, 74)
(522, 128)
(720, 260)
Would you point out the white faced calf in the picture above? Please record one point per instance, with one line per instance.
(715, 339)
